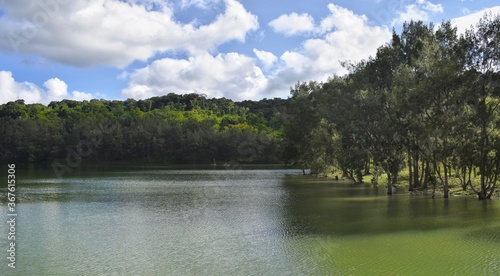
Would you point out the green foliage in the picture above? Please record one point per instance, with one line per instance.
(170, 129)
(427, 103)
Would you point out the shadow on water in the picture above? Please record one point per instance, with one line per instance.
(327, 207)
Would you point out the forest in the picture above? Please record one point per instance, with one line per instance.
(172, 129)
(427, 104)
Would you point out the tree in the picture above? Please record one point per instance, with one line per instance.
(483, 65)
(440, 68)
(301, 119)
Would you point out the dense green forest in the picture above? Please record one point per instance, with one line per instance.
(427, 104)
(177, 129)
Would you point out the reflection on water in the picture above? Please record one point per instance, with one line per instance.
(243, 222)
(355, 229)
(330, 208)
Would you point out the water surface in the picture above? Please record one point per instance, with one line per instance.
(163, 221)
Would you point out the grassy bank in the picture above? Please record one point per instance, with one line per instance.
(454, 186)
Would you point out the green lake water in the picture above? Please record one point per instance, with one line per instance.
(161, 221)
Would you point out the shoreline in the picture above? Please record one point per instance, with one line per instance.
(402, 187)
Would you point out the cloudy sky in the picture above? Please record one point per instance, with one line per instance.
(246, 49)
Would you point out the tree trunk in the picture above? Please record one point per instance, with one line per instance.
(482, 165)
(350, 175)
(410, 174)
(392, 179)
(445, 184)
(416, 178)
(376, 172)
(367, 168)
(389, 185)
(426, 170)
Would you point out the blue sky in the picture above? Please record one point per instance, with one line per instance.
(247, 49)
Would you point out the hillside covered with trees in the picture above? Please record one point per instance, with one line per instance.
(174, 129)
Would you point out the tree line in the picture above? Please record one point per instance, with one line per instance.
(427, 103)
(176, 129)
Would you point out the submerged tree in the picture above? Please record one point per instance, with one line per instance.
(483, 66)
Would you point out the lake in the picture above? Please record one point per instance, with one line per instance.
(165, 221)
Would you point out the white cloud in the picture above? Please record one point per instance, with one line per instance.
(229, 75)
(295, 61)
(434, 8)
(341, 19)
(10, 90)
(111, 32)
(202, 4)
(470, 20)
(232, 25)
(267, 58)
(412, 12)
(342, 36)
(292, 24)
(419, 10)
(82, 96)
(56, 90)
(347, 37)
(150, 5)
